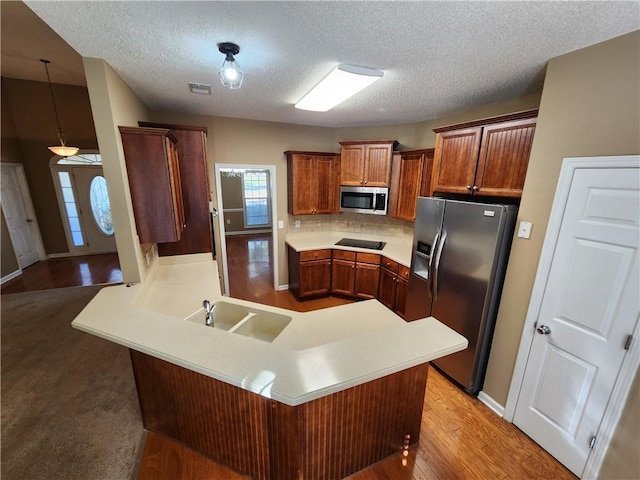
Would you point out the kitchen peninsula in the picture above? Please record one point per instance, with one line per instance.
(337, 390)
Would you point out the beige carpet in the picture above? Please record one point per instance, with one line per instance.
(69, 405)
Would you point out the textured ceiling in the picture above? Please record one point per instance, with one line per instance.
(438, 57)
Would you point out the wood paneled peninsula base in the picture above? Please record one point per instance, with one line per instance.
(275, 393)
(328, 438)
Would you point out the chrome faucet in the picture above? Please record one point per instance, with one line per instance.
(208, 309)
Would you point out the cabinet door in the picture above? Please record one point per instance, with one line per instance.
(343, 276)
(504, 157)
(367, 280)
(387, 288)
(325, 189)
(409, 186)
(194, 177)
(456, 158)
(352, 165)
(157, 198)
(315, 277)
(300, 185)
(400, 306)
(377, 165)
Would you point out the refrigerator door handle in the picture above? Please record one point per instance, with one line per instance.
(436, 269)
(430, 265)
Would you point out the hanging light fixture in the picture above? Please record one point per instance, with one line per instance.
(230, 73)
(63, 150)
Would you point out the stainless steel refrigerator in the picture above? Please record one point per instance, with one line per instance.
(460, 253)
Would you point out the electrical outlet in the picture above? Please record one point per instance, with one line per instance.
(297, 224)
(228, 221)
(524, 230)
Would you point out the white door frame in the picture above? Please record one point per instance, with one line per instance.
(631, 361)
(274, 218)
(28, 205)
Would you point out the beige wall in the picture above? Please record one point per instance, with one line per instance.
(590, 106)
(114, 104)
(28, 105)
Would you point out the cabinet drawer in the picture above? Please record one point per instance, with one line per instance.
(389, 264)
(344, 255)
(403, 272)
(308, 255)
(368, 258)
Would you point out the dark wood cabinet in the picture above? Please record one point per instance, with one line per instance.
(309, 272)
(194, 175)
(388, 283)
(312, 183)
(400, 306)
(355, 273)
(153, 170)
(366, 163)
(485, 157)
(410, 178)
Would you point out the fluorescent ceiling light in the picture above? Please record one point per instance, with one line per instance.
(343, 82)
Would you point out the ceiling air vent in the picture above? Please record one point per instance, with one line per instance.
(200, 88)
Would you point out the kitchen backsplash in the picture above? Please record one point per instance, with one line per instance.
(352, 223)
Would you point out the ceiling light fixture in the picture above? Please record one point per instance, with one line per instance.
(63, 150)
(230, 73)
(343, 82)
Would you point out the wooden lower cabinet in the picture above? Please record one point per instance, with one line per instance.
(400, 305)
(355, 274)
(309, 272)
(329, 438)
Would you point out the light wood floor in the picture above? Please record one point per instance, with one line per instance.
(460, 437)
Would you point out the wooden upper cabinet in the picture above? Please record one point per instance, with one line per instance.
(484, 157)
(154, 181)
(456, 160)
(312, 183)
(366, 163)
(197, 235)
(410, 178)
(504, 157)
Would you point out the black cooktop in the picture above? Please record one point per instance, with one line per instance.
(354, 242)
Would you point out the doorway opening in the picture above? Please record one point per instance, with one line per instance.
(83, 200)
(247, 209)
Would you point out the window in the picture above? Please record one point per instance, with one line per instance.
(71, 209)
(255, 188)
(100, 205)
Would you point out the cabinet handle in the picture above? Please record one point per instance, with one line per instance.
(468, 187)
(475, 188)
(365, 182)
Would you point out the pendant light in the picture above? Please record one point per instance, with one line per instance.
(230, 73)
(63, 150)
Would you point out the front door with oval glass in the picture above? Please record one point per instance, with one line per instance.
(85, 208)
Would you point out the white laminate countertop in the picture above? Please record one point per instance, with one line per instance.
(396, 248)
(317, 354)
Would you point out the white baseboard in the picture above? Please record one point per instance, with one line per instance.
(283, 287)
(11, 276)
(494, 406)
(61, 255)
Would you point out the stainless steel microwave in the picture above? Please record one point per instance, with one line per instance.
(372, 200)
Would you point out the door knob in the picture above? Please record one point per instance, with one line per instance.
(543, 330)
(29, 220)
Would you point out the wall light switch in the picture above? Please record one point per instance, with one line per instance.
(280, 224)
(524, 230)
(228, 221)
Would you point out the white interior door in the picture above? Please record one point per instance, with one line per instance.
(589, 307)
(19, 222)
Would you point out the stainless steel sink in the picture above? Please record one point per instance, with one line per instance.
(245, 321)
